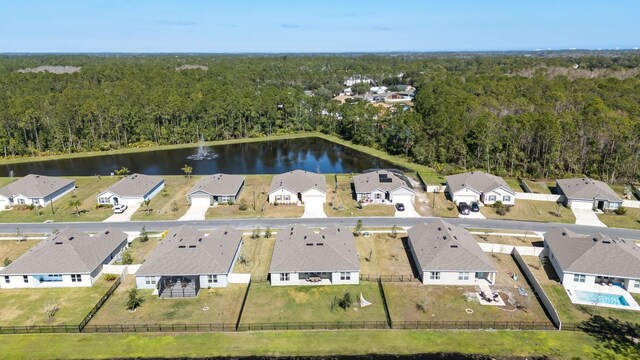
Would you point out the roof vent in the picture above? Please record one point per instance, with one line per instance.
(338, 229)
(192, 246)
(225, 232)
(323, 236)
(181, 246)
(444, 238)
(305, 237)
(319, 244)
(106, 232)
(595, 240)
(439, 229)
(58, 243)
(309, 244)
(606, 242)
(71, 238)
(564, 233)
(200, 240)
(454, 246)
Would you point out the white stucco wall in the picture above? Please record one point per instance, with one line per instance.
(223, 281)
(448, 278)
(464, 195)
(371, 197)
(399, 195)
(294, 279)
(315, 193)
(293, 198)
(500, 195)
(141, 282)
(354, 278)
(17, 282)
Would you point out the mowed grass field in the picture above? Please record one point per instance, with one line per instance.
(22, 307)
(172, 197)
(569, 312)
(531, 210)
(630, 220)
(269, 304)
(88, 187)
(223, 307)
(255, 256)
(382, 254)
(12, 249)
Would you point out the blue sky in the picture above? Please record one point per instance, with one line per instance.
(315, 26)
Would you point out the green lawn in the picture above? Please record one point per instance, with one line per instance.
(630, 220)
(12, 249)
(501, 344)
(140, 250)
(441, 207)
(432, 178)
(381, 254)
(509, 240)
(88, 187)
(340, 200)
(569, 312)
(257, 255)
(513, 184)
(267, 304)
(171, 203)
(224, 306)
(254, 185)
(26, 306)
(531, 210)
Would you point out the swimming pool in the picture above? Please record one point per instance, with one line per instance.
(600, 298)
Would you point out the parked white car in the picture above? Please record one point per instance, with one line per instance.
(119, 209)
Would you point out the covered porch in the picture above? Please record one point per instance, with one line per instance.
(178, 286)
(486, 277)
(314, 278)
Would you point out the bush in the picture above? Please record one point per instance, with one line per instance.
(501, 209)
(144, 237)
(6, 262)
(127, 258)
(242, 206)
(110, 277)
(620, 211)
(134, 301)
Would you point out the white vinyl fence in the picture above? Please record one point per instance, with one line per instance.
(239, 278)
(508, 249)
(631, 204)
(539, 197)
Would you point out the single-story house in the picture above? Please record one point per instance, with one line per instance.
(586, 193)
(446, 254)
(217, 188)
(68, 258)
(479, 186)
(397, 98)
(132, 190)
(188, 259)
(583, 260)
(298, 186)
(303, 257)
(383, 186)
(38, 190)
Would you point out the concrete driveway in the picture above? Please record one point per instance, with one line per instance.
(195, 212)
(409, 211)
(314, 208)
(472, 215)
(587, 217)
(125, 216)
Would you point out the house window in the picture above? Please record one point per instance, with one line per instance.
(20, 201)
(103, 200)
(150, 280)
(7, 281)
(378, 196)
(287, 198)
(636, 283)
(76, 278)
(434, 275)
(278, 197)
(506, 198)
(614, 205)
(212, 279)
(25, 278)
(36, 201)
(345, 276)
(463, 276)
(492, 198)
(579, 278)
(284, 277)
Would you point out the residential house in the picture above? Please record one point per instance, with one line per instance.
(68, 258)
(38, 190)
(303, 257)
(586, 193)
(381, 186)
(217, 188)
(357, 79)
(188, 259)
(479, 186)
(582, 261)
(397, 97)
(446, 254)
(298, 186)
(132, 190)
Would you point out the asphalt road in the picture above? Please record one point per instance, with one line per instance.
(32, 228)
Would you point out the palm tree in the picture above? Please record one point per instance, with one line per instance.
(77, 203)
(187, 170)
(146, 204)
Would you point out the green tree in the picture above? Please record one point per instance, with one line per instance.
(146, 203)
(134, 300)
(187, 170)
(127, 258)
(357, 230)
(144, 236)
(267, 233)
(123, 171)
(76, 203)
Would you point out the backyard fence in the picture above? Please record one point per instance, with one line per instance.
(143, 328)
(523, 184)
(388, 278)
(539, 197)
(473, 325)
(260, 279)
(39, 329)
(314, 325)
(101, 302)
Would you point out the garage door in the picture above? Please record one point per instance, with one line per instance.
(466, 198)
(201, 200)
(405, 199)
(581, 204)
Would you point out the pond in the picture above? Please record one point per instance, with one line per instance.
(264, 157)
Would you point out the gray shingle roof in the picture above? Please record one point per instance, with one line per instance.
(186, 250)
(299, 181)
(135, 185)
(586, 188)
(219, 184)
(440, 246)
(479, 181)
(300, 249)
(68, 252)
(382, 180)
(594, 254)
(35, 186)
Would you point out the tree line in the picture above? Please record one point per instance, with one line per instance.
(471, 111)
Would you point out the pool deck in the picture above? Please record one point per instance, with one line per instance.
(603, 289)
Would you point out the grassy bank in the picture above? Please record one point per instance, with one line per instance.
(556, 345)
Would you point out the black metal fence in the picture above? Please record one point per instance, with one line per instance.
(99, 304)
(39, 329)
(144, 328)
(314, 325)
(473, 325)
(389, 278)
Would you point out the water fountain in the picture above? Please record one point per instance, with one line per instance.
(202, 154)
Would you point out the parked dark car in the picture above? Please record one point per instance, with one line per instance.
(464, 209)
(400, 206)
(474, 206)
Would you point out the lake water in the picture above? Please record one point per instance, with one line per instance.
(265, 157)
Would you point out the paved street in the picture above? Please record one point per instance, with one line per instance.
(278, 223)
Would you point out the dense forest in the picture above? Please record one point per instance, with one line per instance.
(541, 116)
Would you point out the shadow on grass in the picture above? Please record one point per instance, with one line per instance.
(414, 269)
(615, 338)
